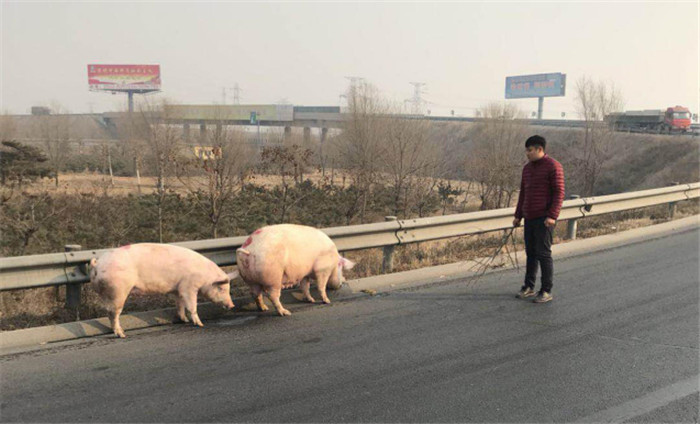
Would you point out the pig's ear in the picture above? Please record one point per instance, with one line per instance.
(346, 263)
(233, 275)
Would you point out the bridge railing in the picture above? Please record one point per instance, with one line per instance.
(70, 268)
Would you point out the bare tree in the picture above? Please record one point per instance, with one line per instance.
(448, 194)
(423, 196)
(360, 146)
(133, 135)
(495, 159)
(55, 131)
(286, 161)
(411, 161)
(594, 101)
(213, 173)
(163, 142)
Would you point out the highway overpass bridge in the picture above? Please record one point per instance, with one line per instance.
(261, 115)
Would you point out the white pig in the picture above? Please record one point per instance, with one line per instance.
(158, 268)
(284, 255)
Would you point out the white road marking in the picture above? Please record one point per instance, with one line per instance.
(644, 404)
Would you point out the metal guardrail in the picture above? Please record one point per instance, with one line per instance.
(54, 269)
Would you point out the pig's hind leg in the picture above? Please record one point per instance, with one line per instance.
(256, 293)
(181, 309)
(275, 294)
(305, 288)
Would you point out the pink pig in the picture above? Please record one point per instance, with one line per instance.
(159, 268)
(282, 256)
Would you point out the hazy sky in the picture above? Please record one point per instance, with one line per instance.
(302, 52)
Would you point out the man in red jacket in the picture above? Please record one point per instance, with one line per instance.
(539, 202)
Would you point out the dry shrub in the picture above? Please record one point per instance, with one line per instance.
(31, 308)
(636, 218)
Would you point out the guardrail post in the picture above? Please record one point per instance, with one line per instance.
(73, 291)
(572, 224)
(672, 205)
(388, 256)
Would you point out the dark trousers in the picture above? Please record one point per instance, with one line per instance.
(538, 247)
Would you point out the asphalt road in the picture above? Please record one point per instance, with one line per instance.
(618, 343)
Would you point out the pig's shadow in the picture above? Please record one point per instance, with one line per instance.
(80, 329)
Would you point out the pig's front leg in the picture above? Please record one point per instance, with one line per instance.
(274, 294)
(305, 288)
(190, 299)
(256, 292)
(181, 309)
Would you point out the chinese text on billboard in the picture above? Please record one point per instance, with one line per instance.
(539, 85)
(124, 77)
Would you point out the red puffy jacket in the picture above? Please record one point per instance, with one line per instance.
(541, 189)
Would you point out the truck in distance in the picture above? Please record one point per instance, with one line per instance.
(674, 119)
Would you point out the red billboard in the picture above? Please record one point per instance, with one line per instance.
(124, 77)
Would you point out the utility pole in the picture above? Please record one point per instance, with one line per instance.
(352, 89)
(236, 94)
(417, 100)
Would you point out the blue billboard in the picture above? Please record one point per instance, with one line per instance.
(538, 85)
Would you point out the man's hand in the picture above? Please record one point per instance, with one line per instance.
(516, 222)
(549, 222)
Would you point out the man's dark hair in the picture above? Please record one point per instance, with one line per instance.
(536, 140)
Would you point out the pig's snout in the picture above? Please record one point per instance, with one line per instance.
(219, 294)
(335, 285)
(225, 303)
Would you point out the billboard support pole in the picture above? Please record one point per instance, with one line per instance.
(540, 105)
(131, 101)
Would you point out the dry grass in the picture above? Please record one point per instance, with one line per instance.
(92, 182)
(44, 306)
(86, 183)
